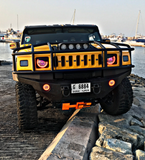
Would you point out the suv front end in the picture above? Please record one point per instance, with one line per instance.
(70, 63)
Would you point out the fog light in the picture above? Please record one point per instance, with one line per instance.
(46, 87)
(111, 83)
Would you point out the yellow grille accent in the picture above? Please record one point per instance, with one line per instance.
(78, 60)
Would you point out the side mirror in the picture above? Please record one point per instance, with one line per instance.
(14, 45)
(106, 40)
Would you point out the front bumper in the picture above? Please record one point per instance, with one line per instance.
(61, 88)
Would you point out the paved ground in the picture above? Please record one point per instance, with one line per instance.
(19, 145)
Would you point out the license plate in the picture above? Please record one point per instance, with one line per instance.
(80, 87)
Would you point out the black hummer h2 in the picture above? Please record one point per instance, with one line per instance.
(69, 64)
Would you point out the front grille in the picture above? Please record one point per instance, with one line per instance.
(76, 60)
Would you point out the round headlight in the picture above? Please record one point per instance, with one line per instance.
(85, 46)
(71, 46)
(78, 46)
(63, 46)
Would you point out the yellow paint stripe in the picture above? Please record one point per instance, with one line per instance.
(51, 147)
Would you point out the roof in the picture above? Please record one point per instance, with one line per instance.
(63, 25)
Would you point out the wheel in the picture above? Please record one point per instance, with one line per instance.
(26, 106)
(118, 101)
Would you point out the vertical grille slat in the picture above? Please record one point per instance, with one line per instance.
(100, 59)
(55, 61)
(62, 61)
(92, 60)
(70, 60)
(78, 60)
(85, 60)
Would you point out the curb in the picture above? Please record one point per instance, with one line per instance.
(75, 140)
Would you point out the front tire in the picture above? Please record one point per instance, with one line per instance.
(119, 100)
(26, 106)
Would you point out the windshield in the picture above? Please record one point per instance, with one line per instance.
(60, 35)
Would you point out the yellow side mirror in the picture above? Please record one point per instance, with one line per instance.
(106, 40)
(14, 45)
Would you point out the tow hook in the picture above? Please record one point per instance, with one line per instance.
(65, 91)
(78, 105)
(96, 88)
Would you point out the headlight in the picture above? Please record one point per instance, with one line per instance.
(85, 46)
(71, 46)
(78, 46)
(111, 60)
(63, 46)
(42, 62)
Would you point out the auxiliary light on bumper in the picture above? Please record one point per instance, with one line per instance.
(46, 87)
(111, 83)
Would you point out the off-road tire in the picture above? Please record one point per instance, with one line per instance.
(118, 101)
(26, 106)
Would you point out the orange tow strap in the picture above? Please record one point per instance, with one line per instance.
(79, 105)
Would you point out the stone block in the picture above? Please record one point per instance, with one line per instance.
(92, 109)
(136, 101)
(137, 112)
(134, 116)
(109, 131)
(139, 91)
(115, 120)
(77, 140)
(140, 155)
(137, 129)
(143, 122)
(118, 146)
(99, 153)
(135, 122)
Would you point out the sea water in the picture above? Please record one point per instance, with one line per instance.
(5, 51)
(138, 58)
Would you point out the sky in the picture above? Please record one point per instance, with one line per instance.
(111, 16)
